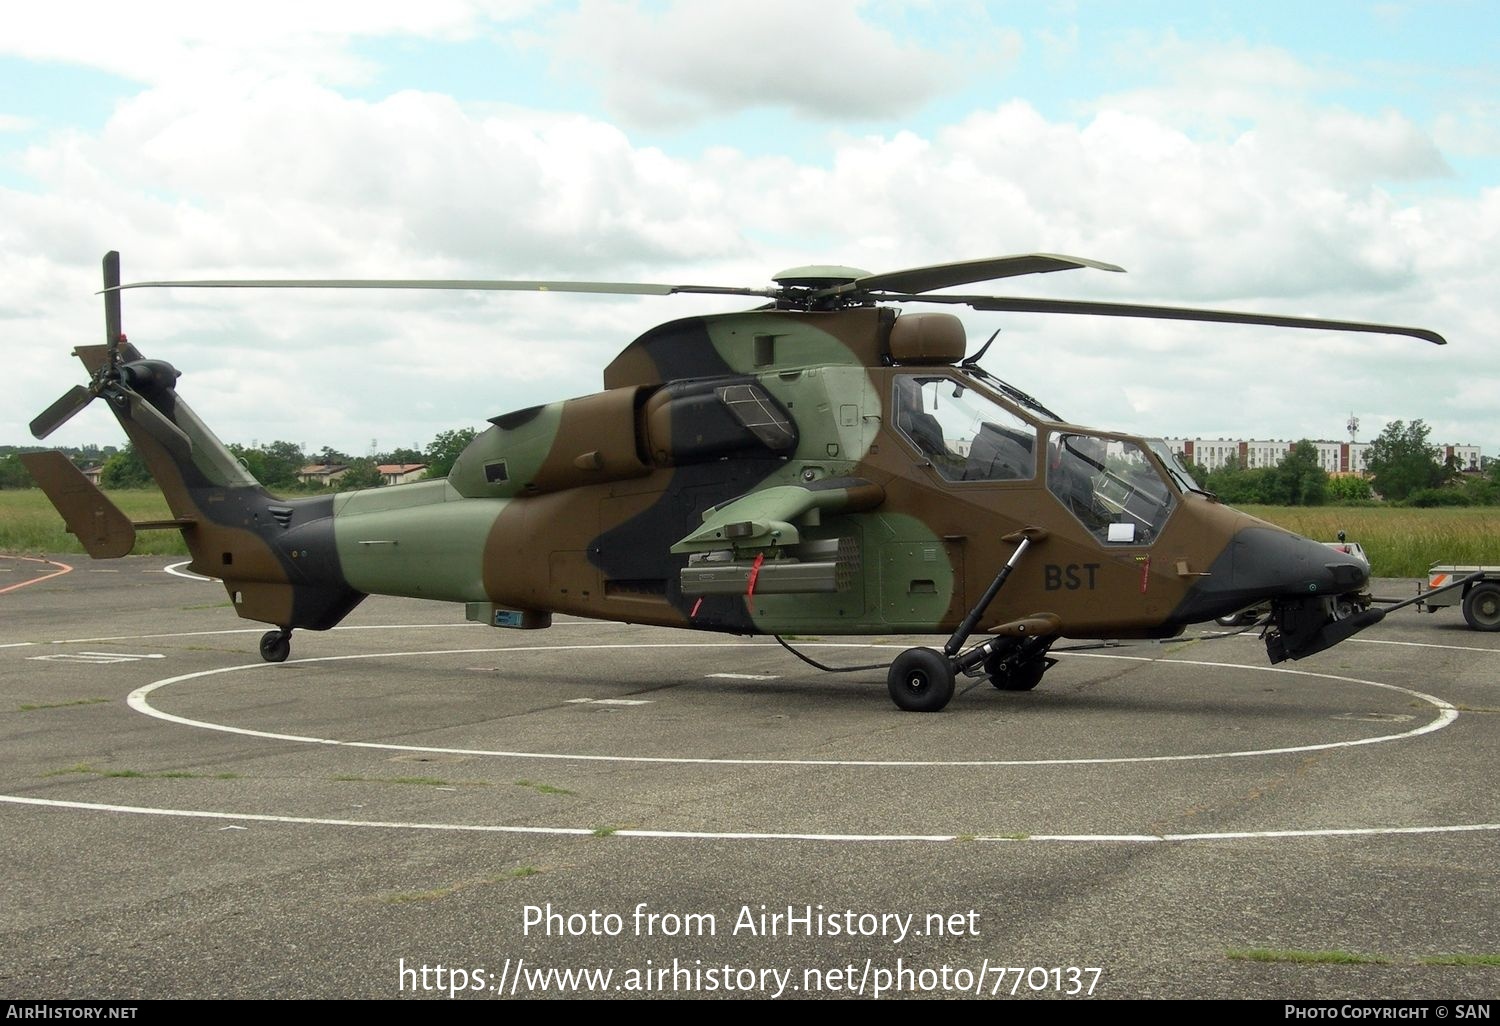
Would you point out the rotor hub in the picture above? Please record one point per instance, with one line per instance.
(819, 276)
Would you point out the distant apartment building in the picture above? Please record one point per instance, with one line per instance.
(1334, 457)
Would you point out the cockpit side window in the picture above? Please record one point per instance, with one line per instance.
(1110, 485)
(963, 434)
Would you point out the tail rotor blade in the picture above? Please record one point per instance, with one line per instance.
(62, 411)
(112, 299)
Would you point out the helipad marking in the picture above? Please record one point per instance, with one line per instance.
(94, 657)
(726, 835)
(138, 701)
(36, 580)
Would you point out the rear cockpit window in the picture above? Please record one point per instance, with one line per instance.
(964, 435)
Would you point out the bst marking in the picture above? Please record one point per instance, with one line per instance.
(1071, 576)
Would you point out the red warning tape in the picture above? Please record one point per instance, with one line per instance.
(754, 573)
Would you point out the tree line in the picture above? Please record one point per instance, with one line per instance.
(276, 465)
(1403, 469)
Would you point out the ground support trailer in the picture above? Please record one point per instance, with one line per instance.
(1480, 597)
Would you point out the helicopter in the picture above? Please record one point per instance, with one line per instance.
(825, 462)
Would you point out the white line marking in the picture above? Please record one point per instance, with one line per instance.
(138, 701)
(742, 676)
(1248, 835)
(72, 657)
(17, 644)
(706, 835)
(1427, 644)
(608, 701)
(93, 657)
(175, 571)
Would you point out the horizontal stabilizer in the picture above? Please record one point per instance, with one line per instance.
(104, 531)
(100, 526)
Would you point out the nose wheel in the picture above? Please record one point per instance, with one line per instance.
(275, 646)
(920, 680)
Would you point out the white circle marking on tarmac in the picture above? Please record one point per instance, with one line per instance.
(138, 700)
(1447, 715)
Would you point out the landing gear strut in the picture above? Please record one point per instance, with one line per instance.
(276, 645)
(921, 679)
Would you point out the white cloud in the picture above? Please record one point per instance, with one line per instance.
(1471, 128)
(694, 58)
(278, 175)
(186, 40)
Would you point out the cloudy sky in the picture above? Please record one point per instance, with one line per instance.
(1339, 159)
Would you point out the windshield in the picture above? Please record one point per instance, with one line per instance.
(1175, 469)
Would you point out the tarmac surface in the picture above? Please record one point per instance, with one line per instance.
(704, 815)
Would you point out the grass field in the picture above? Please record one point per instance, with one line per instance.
(1399, 542)
(30, 526)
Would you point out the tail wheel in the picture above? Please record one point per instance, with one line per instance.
(920, 680)
(275, 646)
(1482, 606)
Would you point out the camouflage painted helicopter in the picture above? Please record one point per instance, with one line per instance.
(821, 463)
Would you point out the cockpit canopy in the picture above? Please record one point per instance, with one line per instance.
(1114, 486)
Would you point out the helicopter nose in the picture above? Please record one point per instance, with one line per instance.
(1263, 563)
(1268, 563)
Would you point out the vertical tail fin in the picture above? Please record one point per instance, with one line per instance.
(277, 558)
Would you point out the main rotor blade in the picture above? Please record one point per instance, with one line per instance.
(1166, 313)
(621, 288)
(111, 298)
(942, 276)
(60, 412)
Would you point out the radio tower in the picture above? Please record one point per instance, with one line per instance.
(1352, 426)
